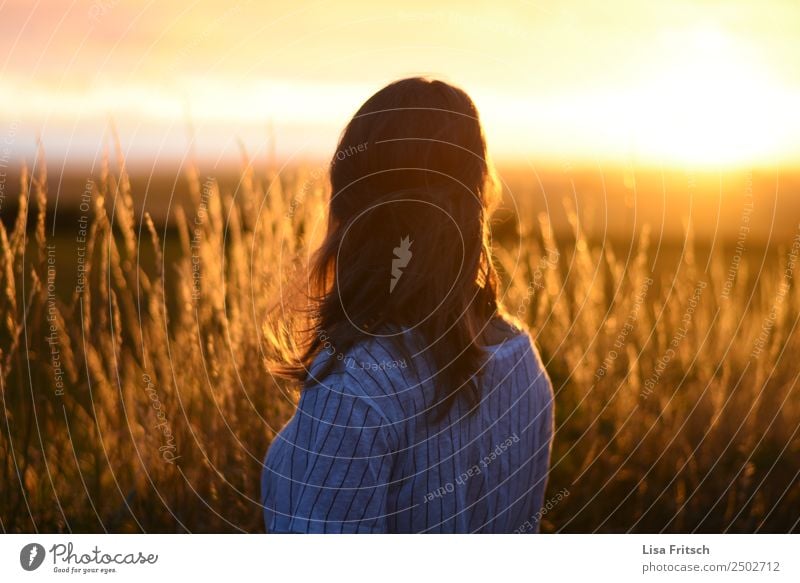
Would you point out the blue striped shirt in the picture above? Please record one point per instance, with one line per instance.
(361, 454)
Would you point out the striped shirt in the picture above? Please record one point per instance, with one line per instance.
(361, 454)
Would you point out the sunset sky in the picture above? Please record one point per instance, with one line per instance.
(675, 83)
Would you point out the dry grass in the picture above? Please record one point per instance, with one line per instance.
(705, 441)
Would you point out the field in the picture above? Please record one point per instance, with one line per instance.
(132, 355)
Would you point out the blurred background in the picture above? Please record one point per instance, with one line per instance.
(563, 88)
(162, 164)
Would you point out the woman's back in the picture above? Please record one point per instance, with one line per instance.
(362, 454)
(458, 439)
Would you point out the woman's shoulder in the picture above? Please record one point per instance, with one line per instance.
(365, 378)
(374, 367)
(371, 353)
(511, 340)
(500, 330)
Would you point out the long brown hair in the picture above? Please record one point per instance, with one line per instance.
(407, 241)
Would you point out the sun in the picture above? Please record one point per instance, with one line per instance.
(708, 104)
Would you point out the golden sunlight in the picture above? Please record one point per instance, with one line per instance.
(259, 275)
(709, 85)
(708, 104)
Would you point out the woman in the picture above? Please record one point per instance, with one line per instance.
(423, 408)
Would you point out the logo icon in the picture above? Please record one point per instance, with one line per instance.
(31, 556)
(402, 255)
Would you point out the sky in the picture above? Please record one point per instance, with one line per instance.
(709, 83)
